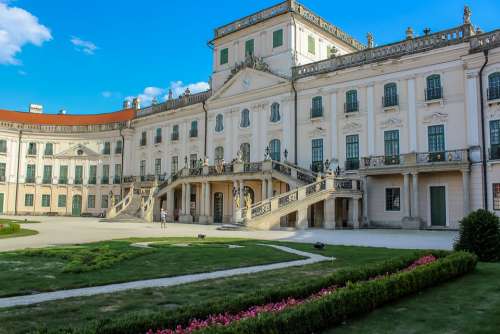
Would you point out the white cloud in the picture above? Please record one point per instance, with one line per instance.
(18, 28)
(83, 46)
(178, 88)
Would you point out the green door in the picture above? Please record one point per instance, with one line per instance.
(438, 206)
(1, 202)
(76, 208)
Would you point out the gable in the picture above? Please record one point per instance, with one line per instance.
(78, 151)
(248, 80)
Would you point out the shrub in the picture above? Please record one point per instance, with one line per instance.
(480, 234)
(9, 228)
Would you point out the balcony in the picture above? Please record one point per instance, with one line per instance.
(351, 107)
(381, 161)
(78, 181)
(494, 93)
(117, 180)
(63, 180)
(193, 133)
(390, 101)
(105, 180)
(352, 164)
(31, 152)
(92, 180)
(434, 94)
(158, 139)
(174, 136)
(30, 179)
(47, 180)
(317, 112)
(494, 152)
(128, 179)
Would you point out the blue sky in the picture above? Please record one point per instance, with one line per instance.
(87, 56)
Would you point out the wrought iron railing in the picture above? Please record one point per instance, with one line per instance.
(381, 161)
(2, 178)
(79, 181)
(390, 101)
(30, 179)
(252, 167)
(105, 180)
(117, 180)
(193, 133)
(318, 166)
(351, 107)
(93, 180)
(174, 136)
(63, 181)
(352, 164)
(444, 156)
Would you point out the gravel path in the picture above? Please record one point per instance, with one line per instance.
(163, 282)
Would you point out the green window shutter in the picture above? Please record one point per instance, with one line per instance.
(311, 45)
(45, 201)
(61, 201)
(224, 56)
(278, 38)
(249, 47)
(28, 200)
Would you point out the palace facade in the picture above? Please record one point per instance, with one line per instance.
(304, 126)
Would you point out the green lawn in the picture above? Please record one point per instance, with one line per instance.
(17, 221)
(22, 233)
(78, 311)
(470, 304)
(58, 268)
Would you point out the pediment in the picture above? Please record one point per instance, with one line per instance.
(78, 151)
(248, 80)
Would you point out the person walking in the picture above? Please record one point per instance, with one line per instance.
(163, 216)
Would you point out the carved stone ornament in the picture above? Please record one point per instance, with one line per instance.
(251, 61)
(391, 123)
(352, 127)
(437, 117)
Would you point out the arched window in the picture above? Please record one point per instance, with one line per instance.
(219, 123)
(245, 150)
(219, 154)
(275, 149)
(494, 86)
(317, 107)
(390, 95)
(434, 90)
(275, 112)
(245, 118)
(351, 101)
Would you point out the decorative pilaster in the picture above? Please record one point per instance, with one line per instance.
(466, 191)
(412, 113)
(371, 120)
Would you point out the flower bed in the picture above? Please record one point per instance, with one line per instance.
(9, 228)
(226, 319)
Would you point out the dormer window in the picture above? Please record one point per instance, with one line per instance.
(249, 48)
(245, 118)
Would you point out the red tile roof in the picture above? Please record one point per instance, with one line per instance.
(52, 119)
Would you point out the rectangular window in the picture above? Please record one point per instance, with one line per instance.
(496, 196)
(193, 132)
(78, 174)
(32, 149)
(158, 136)
(61, 201)
(435, 136)
(143, 138)
(63, 175)
(352, 152)
(93, 174)
(175, 165)
(30, 174)
(91, 201)
(119, 147)
(175, 132)
(49, 149)
(3, 146)
(2, 171)
(28, 200)
(391, 147)
(143, 169)
(495, 139)
(46, 201)
(277, 38)
(249, 48)
(193, 159)
(158, 167)
(392, 199)
(47, 175)
(104, 201)
(317, 107)
(105, 174)
(107, 148)
(311, 44)
(118, 174)
(317, 155)
(224, 56)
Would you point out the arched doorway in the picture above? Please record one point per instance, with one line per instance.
(248, 190)
(218, 207)
(76, 207)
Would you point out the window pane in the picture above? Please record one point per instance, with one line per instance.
(278, 38)
(392, 199)
(249, 47)
(224, 56)
(436, 138)
(275, 149)
(311, 45)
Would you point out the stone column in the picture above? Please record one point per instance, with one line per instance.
(330, 214)
(208, 205)
(371, 120)
(414, 209)
(302, 222)
(183, 201)
(354, 206)
(366, 220)
(406, 195)
(242, 193)
(270, 187)
(333, 125)
(188, 199)
(412, 103)
(466, 190)
(201, 200)
(170, 204)
(264, 190)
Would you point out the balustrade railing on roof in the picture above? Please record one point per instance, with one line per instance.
(172, 104)
(485, 41)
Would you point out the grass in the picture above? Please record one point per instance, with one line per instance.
(22, 233)
(50, 269)
(78, 311)
(470, 304)
(12, 229)
(17, 221)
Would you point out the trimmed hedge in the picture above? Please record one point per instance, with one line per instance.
(9, 228)
(354, 299)
(141, 322)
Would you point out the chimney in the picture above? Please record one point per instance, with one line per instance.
(136, 103)
(126, 104)
(36, 108)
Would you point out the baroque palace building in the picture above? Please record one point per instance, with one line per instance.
(304, 126)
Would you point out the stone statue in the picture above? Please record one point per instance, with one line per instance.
(239, 156)
(248, 201)
(238, 201)
(467, 15)
(112, 198)
(205, 161)
(409, 33)
(370, 40)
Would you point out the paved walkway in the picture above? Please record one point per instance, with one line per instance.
(67, 230)
(162, 282)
